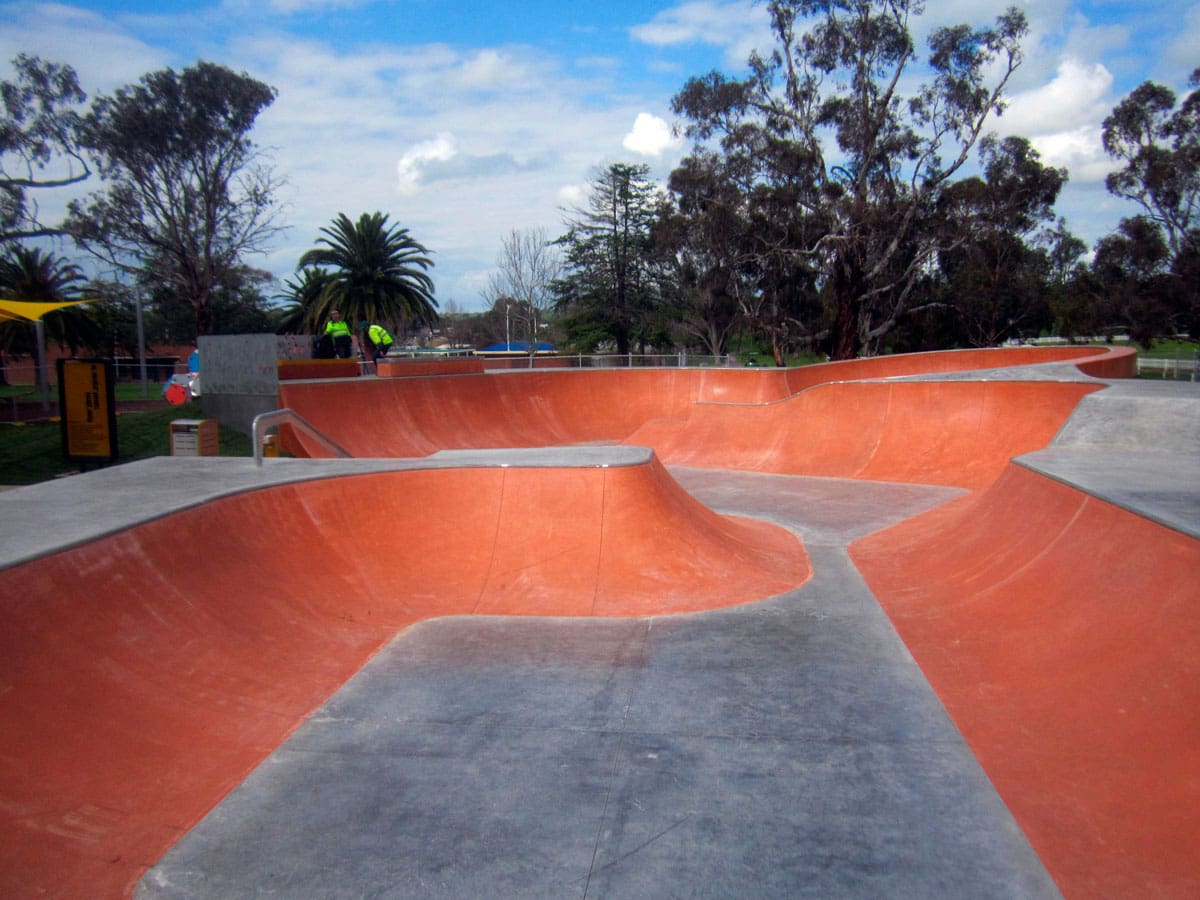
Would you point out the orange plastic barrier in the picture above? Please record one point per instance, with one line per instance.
(1061, 634)
(144, 675)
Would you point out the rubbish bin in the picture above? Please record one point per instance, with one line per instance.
(194, 437)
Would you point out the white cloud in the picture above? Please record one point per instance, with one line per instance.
(402, 130)
(1077, 95)
(1062, 118)
(573, 196)
(1080, 152)
(408, 168)
(289, 6)
(650, 136)
(1184, 51)
(738, 27)
(100, 51)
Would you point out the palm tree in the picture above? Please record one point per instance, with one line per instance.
(375, 273)
(301, 296)
(31, 275)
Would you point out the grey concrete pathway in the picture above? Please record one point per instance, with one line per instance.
(787, 748)
(1135, 444)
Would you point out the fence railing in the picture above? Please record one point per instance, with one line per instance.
(1177, 369)
(610, 361)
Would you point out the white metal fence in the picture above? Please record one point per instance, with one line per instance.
(1176, 369)
(648, 360)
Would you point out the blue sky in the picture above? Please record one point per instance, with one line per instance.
(463, 121)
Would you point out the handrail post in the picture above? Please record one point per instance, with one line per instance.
(258, 431)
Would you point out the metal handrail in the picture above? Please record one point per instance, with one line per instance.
(263, 421)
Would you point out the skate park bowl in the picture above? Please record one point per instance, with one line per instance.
(166, 627)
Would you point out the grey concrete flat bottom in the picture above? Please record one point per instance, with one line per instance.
(784, 748)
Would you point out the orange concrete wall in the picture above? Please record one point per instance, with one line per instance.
(419, 416)
(1062, 635)
(1121, 362)
(959, 361)
(144, 675)
(409, 368)
(956, 433)
(952, 433)
(290, 369)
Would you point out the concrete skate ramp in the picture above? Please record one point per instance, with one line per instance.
(1061, 634)
(939, 432)
(951, 433)
(1106, 362)
(142, 676)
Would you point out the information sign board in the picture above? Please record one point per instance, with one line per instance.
(87, 407)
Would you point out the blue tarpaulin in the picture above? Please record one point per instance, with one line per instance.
(518, 347)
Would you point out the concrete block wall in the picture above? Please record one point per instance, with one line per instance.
(239, 377)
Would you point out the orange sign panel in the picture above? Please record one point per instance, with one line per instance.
(89, 418)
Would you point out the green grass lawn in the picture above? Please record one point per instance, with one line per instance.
(124, 390)
(1171, 349)
(33, 452)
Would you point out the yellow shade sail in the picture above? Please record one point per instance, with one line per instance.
(30, 310)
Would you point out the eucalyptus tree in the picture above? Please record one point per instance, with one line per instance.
(186, 193)
(705, 279)
(837, 115)
(38, 148)
(731, 237)
(1134, 289)
(370, 271)
(1158, 145)
(996, 263)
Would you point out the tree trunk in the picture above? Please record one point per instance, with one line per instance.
(203, 317)
(847, 343)
(847, 335)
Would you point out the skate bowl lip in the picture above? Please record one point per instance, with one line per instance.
(681, 411)
(193, 482)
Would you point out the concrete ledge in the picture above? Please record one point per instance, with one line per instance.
(412, 368)
(40, 519)
(293, 369)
